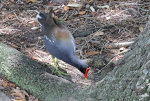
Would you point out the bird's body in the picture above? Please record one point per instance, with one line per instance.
(59, 41)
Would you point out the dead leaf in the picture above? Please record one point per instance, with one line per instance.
(116, 6)
(32, 1)
(33, 22)
(106, 6)
(121, 49)
(91, 1)
(10, 16)
(13, 45)
(35, 28)
(18, 95)
(11, 85)
(92, 8)
(22, 42)
(66, 8)
(108, 17)
(5, 83)
(82, 12)
(71, 8)
(74, 5)
(141, 28)
(93, 53)
(79, 8)
(36, 58)
(87, 6)
(99, 33)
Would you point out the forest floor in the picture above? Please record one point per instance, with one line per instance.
(103, 30)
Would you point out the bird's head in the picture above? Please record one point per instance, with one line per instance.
(83, 67)
(85, 72)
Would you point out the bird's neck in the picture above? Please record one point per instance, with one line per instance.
(76, 62)
(47, 31)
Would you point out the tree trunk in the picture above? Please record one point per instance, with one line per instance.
(130, 79)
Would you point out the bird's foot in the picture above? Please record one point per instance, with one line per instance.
(60, 73)
(57, 71)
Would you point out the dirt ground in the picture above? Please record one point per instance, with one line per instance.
(103, 30)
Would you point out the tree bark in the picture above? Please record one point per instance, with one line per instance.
(128, 81)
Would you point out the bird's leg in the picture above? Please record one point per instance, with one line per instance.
(55, 64)
(55, 61)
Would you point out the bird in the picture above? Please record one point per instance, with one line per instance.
(59, 42)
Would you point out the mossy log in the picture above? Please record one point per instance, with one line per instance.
(31, 76)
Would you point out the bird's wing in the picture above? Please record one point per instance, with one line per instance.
(64, 39)
(61, 50)
(66, 46)
(61, 44)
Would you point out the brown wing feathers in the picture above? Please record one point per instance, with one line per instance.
(62, 33)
